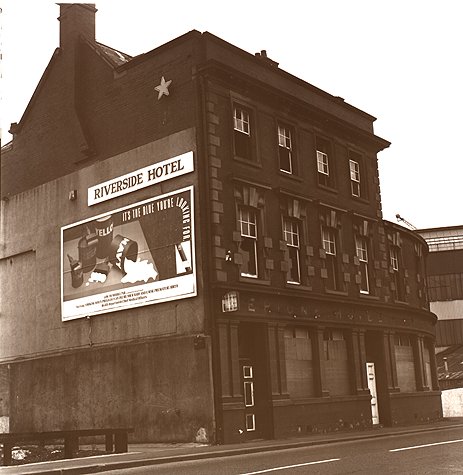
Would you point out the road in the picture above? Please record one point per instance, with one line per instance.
(437, 452)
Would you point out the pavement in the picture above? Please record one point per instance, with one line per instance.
(142, 455)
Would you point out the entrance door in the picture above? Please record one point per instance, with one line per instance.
(374, 396)
(253, 358)
(247, 373)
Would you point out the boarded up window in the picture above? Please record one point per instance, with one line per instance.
(405, 363)
(336, 363)
(299, 367)
(427, 367)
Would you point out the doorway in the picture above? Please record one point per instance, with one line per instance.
(254, 369)
(371, 377)
(376, 369)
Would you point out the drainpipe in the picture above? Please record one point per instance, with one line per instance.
(209, 294)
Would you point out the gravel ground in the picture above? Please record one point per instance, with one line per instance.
(34, 453)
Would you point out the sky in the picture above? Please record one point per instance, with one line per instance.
(398, 60)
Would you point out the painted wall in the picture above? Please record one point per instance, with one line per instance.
(452, 402)
(30, 261)
(160, 388)
(88, 372)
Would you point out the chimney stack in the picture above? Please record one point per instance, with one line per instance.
(76, 19)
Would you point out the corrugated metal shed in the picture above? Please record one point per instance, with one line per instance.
(448, 310)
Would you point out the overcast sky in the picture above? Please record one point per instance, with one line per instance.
(398, 60)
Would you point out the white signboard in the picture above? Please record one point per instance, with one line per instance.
(133, 256)
(138, 179)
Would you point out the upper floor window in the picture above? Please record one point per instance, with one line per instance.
(397, 273)
(285, 149)
(291, 236)
(324, 163)
(242, 132)
(361, 246)
(330, 245)
(395, 259)
(357, 175)
(354, 177)
(247, 221)
(329, 240)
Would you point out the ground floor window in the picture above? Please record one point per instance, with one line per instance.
(427, 366)
(336, 362)
(405, 362)
(299, 365)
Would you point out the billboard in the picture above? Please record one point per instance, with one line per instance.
(133, 256)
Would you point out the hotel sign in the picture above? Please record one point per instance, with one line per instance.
(138, 179)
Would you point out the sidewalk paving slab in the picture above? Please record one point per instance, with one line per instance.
(140, 455)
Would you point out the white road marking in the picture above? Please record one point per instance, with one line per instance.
(427, 445)
(290, 466)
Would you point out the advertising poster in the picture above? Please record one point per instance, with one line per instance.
(137, 255)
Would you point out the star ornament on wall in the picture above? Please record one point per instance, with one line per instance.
(163, 88)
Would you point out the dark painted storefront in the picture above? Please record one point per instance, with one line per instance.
(263, 397)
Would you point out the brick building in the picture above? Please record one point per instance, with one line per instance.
(244, 283)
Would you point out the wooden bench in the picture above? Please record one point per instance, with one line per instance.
(116, 440)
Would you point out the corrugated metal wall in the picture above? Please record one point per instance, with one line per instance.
(449, 332)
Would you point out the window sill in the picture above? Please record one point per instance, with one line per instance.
(294, 286)
(291, 176)
(360, 199)
(368, 296)
(245, 161)
(307, 400)
(342, 293)
(253, 280)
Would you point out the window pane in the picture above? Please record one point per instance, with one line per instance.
(285, 160)
(364, 283)
(241, 120)
(354, 170)
(329, 243)
(362, 251)
(284, 137)
(355, 188)
(291, 236)
(248, 393)
(322, 163)
(243, 145)
(355, 177)
(250, 422)
(285, 147)
(247, 219)
(394, 259)
(247, 371)
(249, 255)
(294, 273)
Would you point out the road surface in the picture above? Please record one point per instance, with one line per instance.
(437, 452)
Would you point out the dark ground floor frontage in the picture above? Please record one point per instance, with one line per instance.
(292, 371)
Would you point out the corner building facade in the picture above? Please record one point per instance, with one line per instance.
(278, 309)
